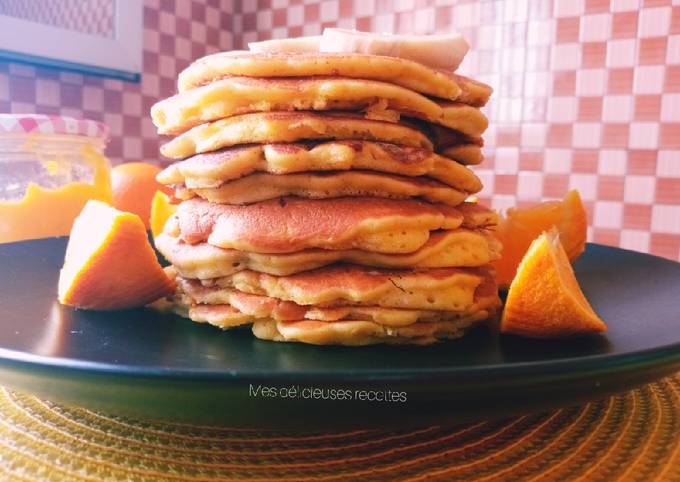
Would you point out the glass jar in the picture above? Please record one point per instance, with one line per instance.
(50, 166)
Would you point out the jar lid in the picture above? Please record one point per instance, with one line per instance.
(51, 124)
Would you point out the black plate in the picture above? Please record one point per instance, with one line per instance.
(143, 364)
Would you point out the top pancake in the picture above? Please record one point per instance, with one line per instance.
(406, 73)
(380, 100)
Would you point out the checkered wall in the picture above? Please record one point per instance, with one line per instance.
(587, 92)
(175, 32)
(94, 17)
(587, 96)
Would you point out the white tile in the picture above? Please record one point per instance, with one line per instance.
(587, 134)
(617, 108)
(591, 82)
(562, 109)
(639, 189)
(621, 53)
(506, 160)
(296, 15)
(540, 32)
(93, 97)
(635, 239)
(533, 134)
(673, 50)
(666, 219)
(47, 92)
(568, 8)
(364, 8)
(612, 162)
(565, 56)
(530, 185)
(608, 214)
(643, 135)
(624, 5)
(648, 79)
(654, 22)
(537, 84)
(132, 104)
(668, 163)
(670, 108)
(329, 11)
(264, 20)
(132, 148)
(595, 28)
(557, 161)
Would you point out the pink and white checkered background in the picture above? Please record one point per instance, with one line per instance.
(587, 92)
(93, 17)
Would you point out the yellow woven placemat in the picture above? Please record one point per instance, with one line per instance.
(629, 437)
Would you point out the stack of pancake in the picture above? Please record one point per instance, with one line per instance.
(323, 198)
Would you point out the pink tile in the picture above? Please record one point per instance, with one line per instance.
(594, 54)
(567, 29)
(648, 108)
(637, 216)
(624, 24)
(652, 50)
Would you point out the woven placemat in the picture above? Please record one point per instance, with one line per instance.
(629, 437)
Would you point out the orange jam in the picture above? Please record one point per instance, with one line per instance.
(45, 181)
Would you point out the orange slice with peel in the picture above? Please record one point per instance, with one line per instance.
(109, 262)
(161, 209)
(545, 299)
(520, 227)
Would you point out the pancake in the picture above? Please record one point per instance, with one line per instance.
(406, 73)
(228, 308)
(466, 154)
(287, 225)
(212, 169)
(326, 185)
(450, 289)
(268, 127)
(240, 95)
(361, 333)
(458, 247)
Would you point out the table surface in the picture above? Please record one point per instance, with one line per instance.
(630, 436)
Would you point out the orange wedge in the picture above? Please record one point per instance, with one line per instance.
(520, 227)
(109, 262)
(161, 209)
(545, 300)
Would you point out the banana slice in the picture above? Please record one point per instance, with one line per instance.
(288, 45)
(444, 51)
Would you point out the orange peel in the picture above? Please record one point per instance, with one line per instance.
(545, 299)
(109, 263)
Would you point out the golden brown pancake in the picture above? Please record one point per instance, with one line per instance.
(449, 289)
(326, 185)
(458, 247)
(361, 333)
(241, 95)
(271, 127)
(466, 154)
(212, 169)
(280, 320)
(406, 73)
(287, 225)
(203, 300)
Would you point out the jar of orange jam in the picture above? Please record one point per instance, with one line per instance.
(50, 166)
